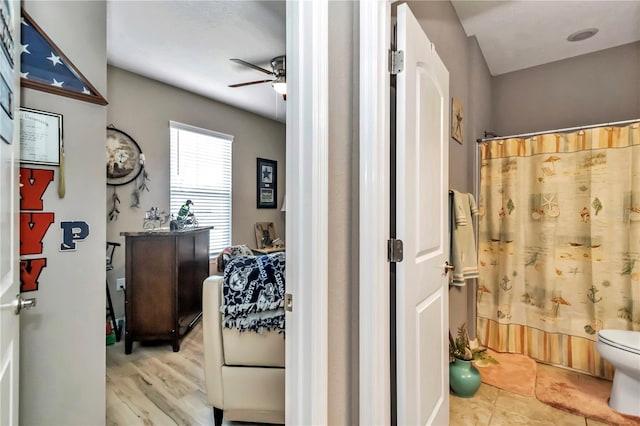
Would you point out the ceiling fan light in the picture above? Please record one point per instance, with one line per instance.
(280, 85)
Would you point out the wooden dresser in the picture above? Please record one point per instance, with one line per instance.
(164, 274)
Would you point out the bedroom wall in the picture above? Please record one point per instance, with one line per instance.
(470, 82)
(143, 108)
(595, 88)
(62, 356)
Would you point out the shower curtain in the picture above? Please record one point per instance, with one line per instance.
(559, 244)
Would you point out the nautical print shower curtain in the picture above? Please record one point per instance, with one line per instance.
(559, 244)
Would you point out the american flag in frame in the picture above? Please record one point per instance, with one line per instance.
(43, 66)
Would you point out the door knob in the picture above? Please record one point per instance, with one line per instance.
(448, 268)
(20, 304)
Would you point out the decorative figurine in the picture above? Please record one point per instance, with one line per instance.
(185, 217)
(184, 210)
(154, 218)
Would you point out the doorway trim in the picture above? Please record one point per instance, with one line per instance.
(306, 372)
(374, 300)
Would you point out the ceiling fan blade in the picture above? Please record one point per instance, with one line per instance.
(248, 83)
(250, 65)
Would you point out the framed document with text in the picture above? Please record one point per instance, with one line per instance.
(40, 137)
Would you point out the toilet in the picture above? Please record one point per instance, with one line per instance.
(622, 349)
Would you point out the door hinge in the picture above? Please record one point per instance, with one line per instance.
(288, 302)
(396, 61)
(394, 250)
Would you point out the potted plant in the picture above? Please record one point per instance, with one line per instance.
(464, 377)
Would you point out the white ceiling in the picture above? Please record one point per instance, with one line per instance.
(188, 44)
(520, 34)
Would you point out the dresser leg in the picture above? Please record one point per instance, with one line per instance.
(128, 344)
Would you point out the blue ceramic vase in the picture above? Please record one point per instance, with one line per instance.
(464, 378)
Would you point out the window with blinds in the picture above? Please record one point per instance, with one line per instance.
(201, 172)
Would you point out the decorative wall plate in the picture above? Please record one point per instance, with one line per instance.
(124, 158)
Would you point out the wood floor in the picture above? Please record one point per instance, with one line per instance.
(156, 386)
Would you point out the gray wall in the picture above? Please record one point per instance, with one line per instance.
(343, 214)
(62, 356)
(596, 88)
(469, 82)
(143, 108)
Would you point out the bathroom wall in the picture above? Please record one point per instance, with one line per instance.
(595, 88)
(469, 82)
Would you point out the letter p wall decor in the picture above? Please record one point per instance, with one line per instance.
(73, 231)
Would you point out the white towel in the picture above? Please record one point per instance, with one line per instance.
(463, 243)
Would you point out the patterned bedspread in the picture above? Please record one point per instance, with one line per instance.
(253, 291)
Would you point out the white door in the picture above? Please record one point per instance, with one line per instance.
(422, 150)
(9, 236)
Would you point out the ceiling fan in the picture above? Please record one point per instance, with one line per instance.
(278, 66)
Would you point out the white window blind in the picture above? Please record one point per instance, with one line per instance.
(201, 172)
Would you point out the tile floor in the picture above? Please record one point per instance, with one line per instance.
(496, 407)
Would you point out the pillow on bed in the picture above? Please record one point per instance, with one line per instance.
(240, 250)
(229, 253)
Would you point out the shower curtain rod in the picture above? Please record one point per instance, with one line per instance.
(568, 129)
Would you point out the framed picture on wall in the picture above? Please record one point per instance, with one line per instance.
(267, 188)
